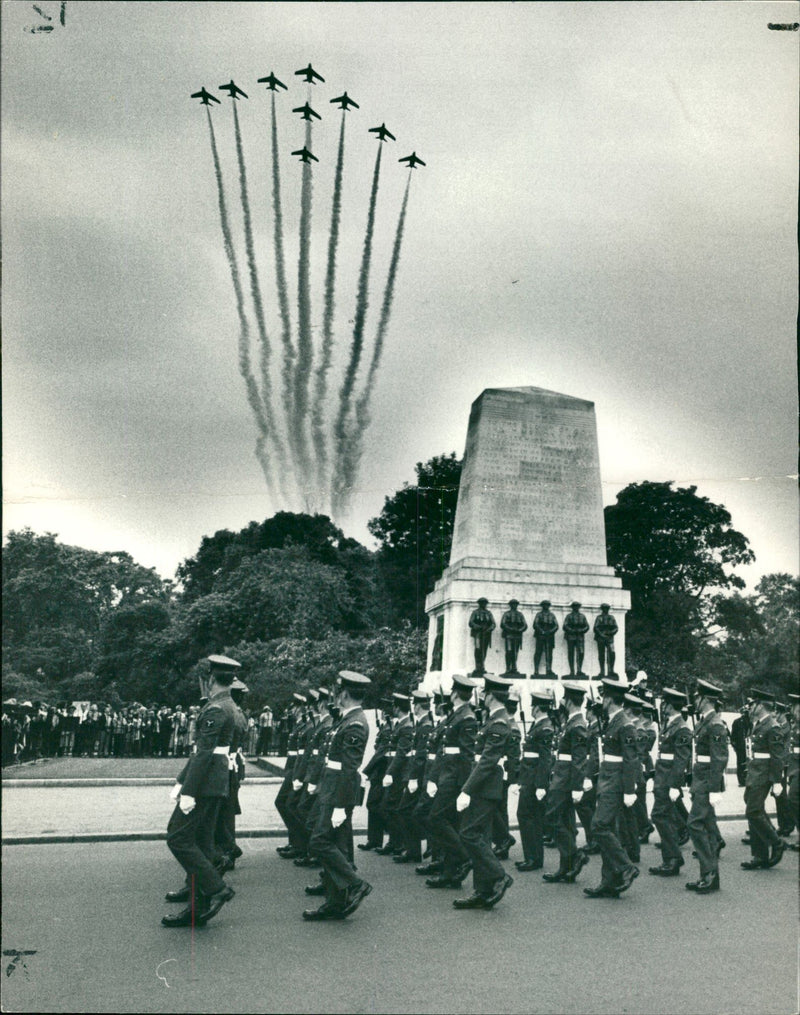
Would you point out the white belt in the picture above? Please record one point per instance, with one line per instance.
(390, 754)
(291, 754)
(335, 765)
(222, 750)
(612, 757)
(452, 750)
(760, 754)
(315, 752)
(529, 754)
(565, 757)
(705, 759)
(666, 757)
(431, 757)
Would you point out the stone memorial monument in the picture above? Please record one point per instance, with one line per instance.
(529, 527)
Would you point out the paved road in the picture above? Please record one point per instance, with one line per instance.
(91, 914)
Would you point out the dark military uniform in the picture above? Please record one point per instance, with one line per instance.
(674, 755)
(430, 774)
(764, 769)
(190, 837)
(225, 833)
(708, 776)
(485, 788)
(413, 772)
(458, 753)
(568, 774)
(402, 744)
(308, 771)
(535, 767)
(619, 770)
(375, 771)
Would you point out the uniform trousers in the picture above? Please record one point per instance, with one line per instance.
(421, 819)
(190, 838)
(610, 806)
(375, 824)
(333, 847)
(443, 820)
(704, 831)
(225, 830)
(785, 814)
(412, 834)
(665, 818)
(628, 832)
(389, 808)
(296, 819)
(476, 836)
(531, 817)
(762, 831)
(500, 831)
(561, 812)
(585, 810)
(281, 801)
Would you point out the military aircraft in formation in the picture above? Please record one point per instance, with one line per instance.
(305, 155)
(272, 82)
(345, 102)
(383, 132)
(205, 97)
(309, 74)
(306, 112)
(233, 90)
(413, 160)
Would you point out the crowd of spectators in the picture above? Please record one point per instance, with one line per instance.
(33, 730)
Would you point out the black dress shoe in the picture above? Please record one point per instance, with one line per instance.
(385, 850)
(442, 881)
(355, 894)
(793, 846)
(462, 871)
(501, 852)
(288, 852)
(668, 869)
(430, 868)
(183, 919)
(325, 912)
(406, 857)
(474, 901)
(554, 877)
(754, 865)
(499, 889)
(236, 853)
(626, 878)
(369, 845)
(214, 903)
(304, 861)
(181, 895)
(581, 860)
(528, 865)
(776, 853)
(603, 891)
(710, 883)
(318, 889)
(746, 840)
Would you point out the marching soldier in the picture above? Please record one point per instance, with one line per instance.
(375, 771)
(227, 852)
(458, 752)
(616, 788)
(567, 786)
(501, 836)
(338, 791)
(200, 787)
(708, 783)
(394, 780)
(764, 773)
(586, 805)
(299, 702)
(430, 776)
(535, 766)
(411, 775)
(629, 819)
(674, 755)
(793, 766)
(308, 773)
(786, 819)
(478, 799)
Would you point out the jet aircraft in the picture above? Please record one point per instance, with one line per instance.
(383, 132)
(345, 102)
(413, 160)
(233, 90)
(272, 82)
(305, 155)
(307, 112)
(205, 97)
(309, 73)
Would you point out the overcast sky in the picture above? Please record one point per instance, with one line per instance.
(609, 210)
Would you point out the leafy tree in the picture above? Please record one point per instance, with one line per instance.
(675, 552)
(415, 532)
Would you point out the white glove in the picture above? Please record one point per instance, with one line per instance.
(541, 793)
(413, 785)
(388, 780)
(514, 788)
(338, 817)
(186, 803)
(175, 792)
(430, 789)
(777, 789)
(629, 799)
(674, 794)
(312, 789)
(648, 787)
(714, 798)
(463, 802)
(576, 795)
(587, 785)
(296, 785)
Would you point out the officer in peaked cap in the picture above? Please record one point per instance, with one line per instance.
(458, 752)
(227, 851)
(708, 783)
(764, 774)
(411, 775)
(674, 758)
(339, 792)
(479, 798)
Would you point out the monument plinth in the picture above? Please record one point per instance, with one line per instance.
(529, 526)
